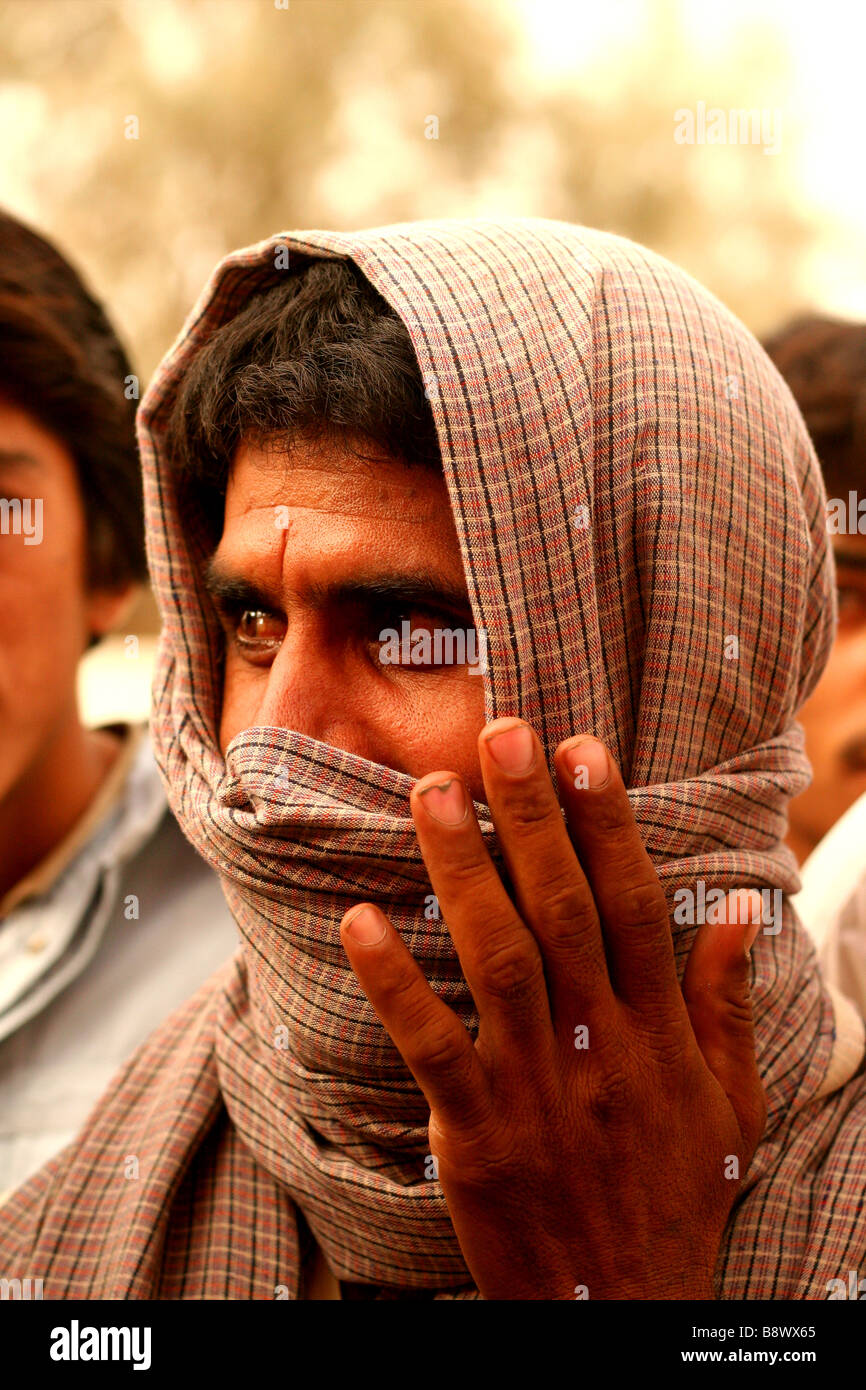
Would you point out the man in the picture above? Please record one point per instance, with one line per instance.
(823, 361)
(496, 1087)
(95, 875)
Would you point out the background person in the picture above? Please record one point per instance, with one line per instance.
(823, 361)
(108, 918)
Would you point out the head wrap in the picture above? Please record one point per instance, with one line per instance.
(641, 521)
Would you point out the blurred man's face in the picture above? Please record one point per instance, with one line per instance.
(319, 556)
(46, 616)
(835, 716)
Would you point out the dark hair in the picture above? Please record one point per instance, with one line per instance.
(823, 361)
(63, 364)
(317, 354)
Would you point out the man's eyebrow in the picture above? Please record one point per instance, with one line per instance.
(12, 458)
(849, 559)
(228, 589)
(421, 588)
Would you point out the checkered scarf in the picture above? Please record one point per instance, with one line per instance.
(641, 521)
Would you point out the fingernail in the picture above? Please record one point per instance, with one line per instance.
(588, 763)
(446, 802)
(750, 936)
(366, 926)
(513, 750)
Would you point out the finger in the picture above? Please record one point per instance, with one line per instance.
(550, 886)
(430, 1038)
(717, 993)
(498, 956)
(628, 896)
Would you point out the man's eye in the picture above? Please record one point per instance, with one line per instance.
(422, 639)
(255, 627)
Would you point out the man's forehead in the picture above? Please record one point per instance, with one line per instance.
(327, 521)
(331, 479)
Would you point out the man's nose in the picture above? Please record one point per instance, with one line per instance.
(310, 690)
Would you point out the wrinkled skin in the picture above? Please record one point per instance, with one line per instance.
(571, 1171)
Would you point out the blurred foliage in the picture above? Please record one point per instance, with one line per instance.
(255, 119)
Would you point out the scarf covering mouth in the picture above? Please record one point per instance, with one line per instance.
(642, 525)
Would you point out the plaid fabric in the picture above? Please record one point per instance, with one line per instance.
(566, 369)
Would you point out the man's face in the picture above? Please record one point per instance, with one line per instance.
(320, 554)
(46, 616)
(835, 716)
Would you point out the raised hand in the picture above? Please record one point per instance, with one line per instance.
(589, 1142)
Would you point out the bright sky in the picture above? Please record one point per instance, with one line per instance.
(821, 47)
(825, 47)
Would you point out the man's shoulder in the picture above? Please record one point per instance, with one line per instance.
(163, 879)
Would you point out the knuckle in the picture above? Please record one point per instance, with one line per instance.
(399, 989)
(468, 875)
(567, 912)
(728, 998)
(612, 816)
(666, 1047)
(533, 806)
(441, 1049)
(486, 1155)
(511, 970)
(738, 1017)
(611, 1097)
(641, 904)
(567, 922)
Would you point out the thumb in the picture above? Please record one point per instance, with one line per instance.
(717, 994)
